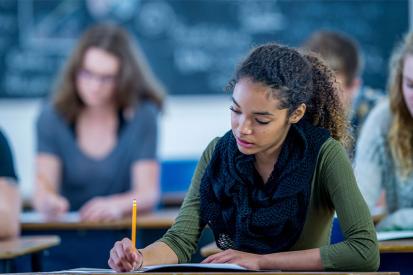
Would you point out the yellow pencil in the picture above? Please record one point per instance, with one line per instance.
(134, 224)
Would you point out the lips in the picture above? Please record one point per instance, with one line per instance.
(244, 143)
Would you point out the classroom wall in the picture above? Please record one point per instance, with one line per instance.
(189, 122)
(186, 127)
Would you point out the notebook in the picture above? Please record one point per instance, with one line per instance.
(165, 268)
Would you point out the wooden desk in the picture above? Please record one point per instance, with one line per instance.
(172, 199)
(79, 239)
(396, 255)
(396, 246)
(34, 245)
(246, 273)
(159, 219)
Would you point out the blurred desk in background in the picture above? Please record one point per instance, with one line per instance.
(397, 246)
(397, 255)
(163, 218)
(33, 246)
(172, 199)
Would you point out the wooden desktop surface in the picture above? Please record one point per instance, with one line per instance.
(10, 249)
(396, 246)
(244, 273)
(159, 219)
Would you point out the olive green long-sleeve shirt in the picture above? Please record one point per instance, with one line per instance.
(333, 188)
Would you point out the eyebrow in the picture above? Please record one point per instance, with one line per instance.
(255, 113)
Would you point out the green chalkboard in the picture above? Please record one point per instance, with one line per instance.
(193, 46)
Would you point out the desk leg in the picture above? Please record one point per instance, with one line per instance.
(37, 262)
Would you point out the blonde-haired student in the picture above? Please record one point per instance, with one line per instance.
(384, 156)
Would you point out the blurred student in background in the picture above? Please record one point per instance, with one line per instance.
(342, 54)
(384, 158)
(10, 202)
(97, 139)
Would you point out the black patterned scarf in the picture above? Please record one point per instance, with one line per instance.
(246, 214)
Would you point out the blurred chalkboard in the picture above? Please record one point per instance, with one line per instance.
(192, 45)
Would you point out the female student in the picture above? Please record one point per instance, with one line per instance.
(384, 159)
(97, 139)
(10, 202)
(269, 188)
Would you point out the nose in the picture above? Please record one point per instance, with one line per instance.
(94, 84)
(244, 127)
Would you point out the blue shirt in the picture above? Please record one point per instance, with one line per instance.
(6, 159)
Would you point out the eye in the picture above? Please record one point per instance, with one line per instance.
(262, 122)
(408, 82)
(234, 110)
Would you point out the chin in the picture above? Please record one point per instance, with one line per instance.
(93, 103)
(246, 151)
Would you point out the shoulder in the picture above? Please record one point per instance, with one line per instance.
(373, 136)
(147, 108)
(330, 150)
(48, 114)
(209, 150)
(211, 146)
(6, 159)
(380, 117)
(145, 111)
(332, 156)
(3, 140)
(4, 144)
(370, 95)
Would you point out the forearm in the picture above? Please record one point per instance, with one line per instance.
(10, 205)
(9, 224)
(158, 253)
(308, 260)
(145, 201)
(48, 173)
(145, 186)
(41, 194)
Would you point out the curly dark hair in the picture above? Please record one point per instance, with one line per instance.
(296, 78)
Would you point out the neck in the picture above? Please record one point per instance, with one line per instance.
(101, 112)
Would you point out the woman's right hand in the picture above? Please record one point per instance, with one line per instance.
(52, 205)
(124, 257)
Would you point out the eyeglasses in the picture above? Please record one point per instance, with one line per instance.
(104, 79)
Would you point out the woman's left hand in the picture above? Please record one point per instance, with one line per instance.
(100, 209)
(247, 260)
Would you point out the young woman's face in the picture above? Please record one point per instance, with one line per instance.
(96, 80)
(407, 83)
(257, 123)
